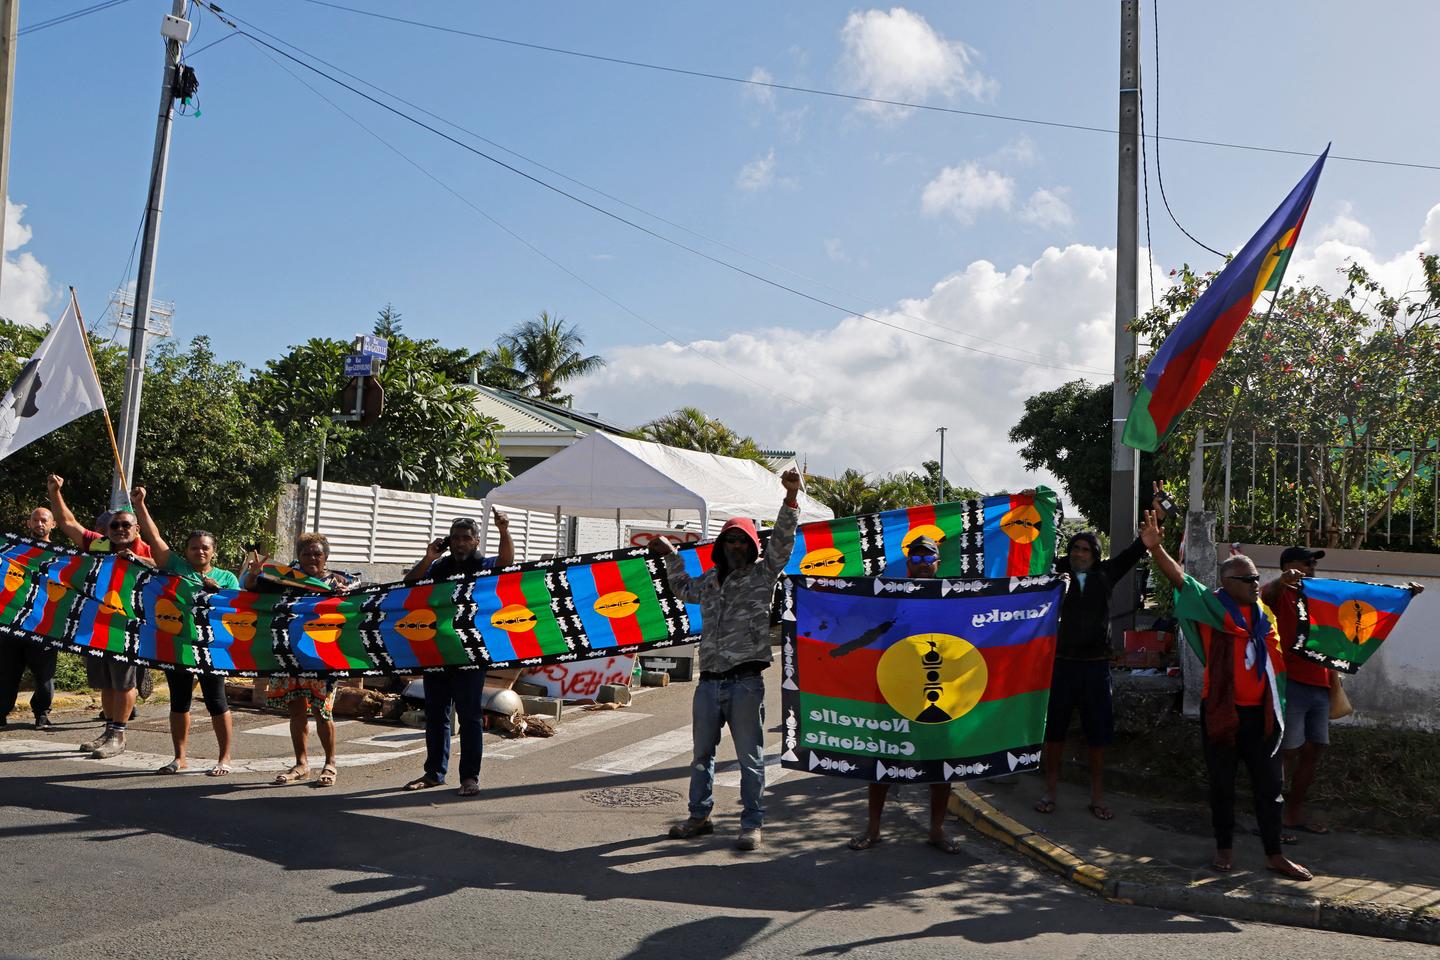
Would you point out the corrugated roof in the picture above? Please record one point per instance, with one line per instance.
(525, 415)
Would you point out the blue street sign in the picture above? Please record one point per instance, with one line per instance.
(359, 365)
(373, 346)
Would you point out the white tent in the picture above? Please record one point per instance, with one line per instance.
(623, 479)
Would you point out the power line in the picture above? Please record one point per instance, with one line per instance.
(854, 97)
(655, 216)
(1159, 177)
(67, 17)
(640, 227)
(531, 246)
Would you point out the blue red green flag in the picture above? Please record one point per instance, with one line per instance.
(1347, 620)
(1194, 348)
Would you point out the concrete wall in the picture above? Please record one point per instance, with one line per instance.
(1400, 684)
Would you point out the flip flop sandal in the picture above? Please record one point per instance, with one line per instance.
(863, 842)
(219, 770)
(1299, 874)
(422, 783)
(172, 767)
(295, 774)
(469, 788)
(944, 845)
(327, 776)
(1100, 812)
(1045, 806)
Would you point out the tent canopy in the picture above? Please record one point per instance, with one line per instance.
(616, 477)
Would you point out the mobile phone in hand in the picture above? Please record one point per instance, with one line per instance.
(1167, 505)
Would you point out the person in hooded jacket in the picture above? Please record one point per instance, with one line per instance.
(734, 597)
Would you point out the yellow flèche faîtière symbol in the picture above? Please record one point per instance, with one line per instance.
(325, 627)
(1021, 524)
(824, 562)
(240, 624)
(617, 603)
(417, 626)
(168, 618)
(932, 677)
(1358, 620)
(112, 604)
(513, 619)
(14, 576)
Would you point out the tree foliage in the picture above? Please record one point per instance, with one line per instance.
(690, 428)
(852, 492)
(546, 355)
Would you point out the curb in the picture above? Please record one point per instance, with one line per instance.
(1359, 917)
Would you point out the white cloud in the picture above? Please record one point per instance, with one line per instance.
(761, 95)
(758, 174)
(899, 56)
(835, 250)
(1047, 208)
(1344, 239)
(853, 384)
(966, 190)
(1021, 151)
(25, 290)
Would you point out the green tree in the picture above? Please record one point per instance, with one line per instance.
(210, 458)
(547, 354)
(849, 494)
(496, 368)
(429, 438)
(1355, 378)
(387, 324)
(690, 428)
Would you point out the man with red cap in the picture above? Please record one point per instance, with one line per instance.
(734, 597)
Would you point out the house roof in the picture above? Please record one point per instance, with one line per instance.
(519, 414)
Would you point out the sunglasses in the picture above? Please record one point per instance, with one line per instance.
(920, 559)
(1249, 578)
(121, 524)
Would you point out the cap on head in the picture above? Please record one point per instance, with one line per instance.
(923, 544)
(1300, 555)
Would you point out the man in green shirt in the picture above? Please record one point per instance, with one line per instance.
(1242, 701)
(197, 565)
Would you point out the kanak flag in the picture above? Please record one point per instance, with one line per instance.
(1193, 349)
(54, 387)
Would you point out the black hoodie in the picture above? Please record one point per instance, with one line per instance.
(1085, 613)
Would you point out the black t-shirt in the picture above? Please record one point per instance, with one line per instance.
(448, 566)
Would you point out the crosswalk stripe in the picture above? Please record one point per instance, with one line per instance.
(137, 760)
(774, 773)
(566, 733)
(642, 754)
(282, 729)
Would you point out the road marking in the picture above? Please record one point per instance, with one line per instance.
(569, 731)
(774, 773)
(138, 760)
(396, 739)
(642, 754)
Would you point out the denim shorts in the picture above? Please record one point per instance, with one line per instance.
(1307, 715)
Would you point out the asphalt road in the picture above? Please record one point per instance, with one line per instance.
(105, 859)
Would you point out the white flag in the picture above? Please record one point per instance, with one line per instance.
(54, 387)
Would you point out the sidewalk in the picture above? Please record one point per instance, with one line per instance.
(1157, 854)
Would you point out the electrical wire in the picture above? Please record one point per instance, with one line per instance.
(1145, 179)
(67, 17)
(718, 261)
(679, 226)
(1159, 177)
(854, 97)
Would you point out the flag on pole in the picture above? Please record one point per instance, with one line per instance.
(1193, 349)
(54, 387)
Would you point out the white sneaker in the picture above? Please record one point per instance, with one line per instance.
(749, 840)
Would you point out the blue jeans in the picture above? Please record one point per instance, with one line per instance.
(463, 688)
(740, 704)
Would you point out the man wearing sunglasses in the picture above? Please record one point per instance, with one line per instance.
(1242, 703)
(734, 597)
(117, 682)
(453, 685)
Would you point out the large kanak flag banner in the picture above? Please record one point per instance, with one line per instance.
(54, 387)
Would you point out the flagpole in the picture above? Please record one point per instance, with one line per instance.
(104, 407)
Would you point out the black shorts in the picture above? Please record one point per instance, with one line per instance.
(1084, 684)
(182, 691)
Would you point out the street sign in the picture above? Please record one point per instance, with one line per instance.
(359, 365)
(373, 346)
(371, 402)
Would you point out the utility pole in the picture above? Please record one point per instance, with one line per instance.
(9, 27)
(176, 31)
(1125, 461)
(941, 431)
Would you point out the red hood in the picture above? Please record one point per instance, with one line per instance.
(738, 523)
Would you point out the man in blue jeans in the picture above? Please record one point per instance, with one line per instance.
(454, 685)
(734, 597)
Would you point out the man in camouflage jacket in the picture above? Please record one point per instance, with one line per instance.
(735, 597)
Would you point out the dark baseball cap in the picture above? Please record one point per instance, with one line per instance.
(1300, 555)
(924, 545)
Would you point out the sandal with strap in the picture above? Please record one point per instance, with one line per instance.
(219, 770)
(422, 783)
(943, 844)
(172, 767)
(863, 842)
(469, 788)
(327, 776)
(295, 774)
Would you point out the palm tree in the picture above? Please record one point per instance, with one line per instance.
(546, 354)
(849, 494)
(495, 367)
(690, 428)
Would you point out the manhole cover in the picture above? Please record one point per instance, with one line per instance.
(630, 796)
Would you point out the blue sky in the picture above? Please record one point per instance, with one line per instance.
(285, 220)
